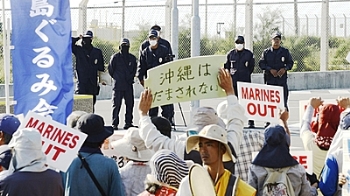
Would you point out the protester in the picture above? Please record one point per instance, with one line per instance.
(5, 158)
(31, 175)
(234, 113)
(332, 177)
(134, 173)
(89, 60)
(240, 62)
(167, 172)
(317, 136)
(122, 68)
(153, 56)
(8, 125)
(77, 180)
(212, 144)
(72, 119)
(274, 157)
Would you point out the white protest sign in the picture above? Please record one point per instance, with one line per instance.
(186, 80)
(304, 103)
(303, 157)
(60, 142)
(346, 163)
(261, 102)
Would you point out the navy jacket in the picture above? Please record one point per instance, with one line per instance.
(276, 59)
(243, 62)
(87, 65)
(152, 58)
(122, 68)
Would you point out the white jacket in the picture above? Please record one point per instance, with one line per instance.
(156, 141)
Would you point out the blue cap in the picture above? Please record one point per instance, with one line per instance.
(276, 34)
(9, 123)
(239, 39)
(152, 33)
(88, 34)
(125, 41)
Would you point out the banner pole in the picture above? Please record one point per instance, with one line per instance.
(5, 56)
(7, 66)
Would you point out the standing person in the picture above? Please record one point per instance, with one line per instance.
(276, 61)
(162, 41)
(153, 56)
(89, 60)
(30, 176)
(77, 180)
(122, 68)
(240, 62)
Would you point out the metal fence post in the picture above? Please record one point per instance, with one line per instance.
(82, 16)
(325, 27)
(175, 29)
(195, 46)
(345, 26)
(249, 24)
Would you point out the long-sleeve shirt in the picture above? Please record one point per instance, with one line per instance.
(329, 178)
(133, 175)
(308, 138)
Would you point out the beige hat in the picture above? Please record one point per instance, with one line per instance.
(205, 116)
(211, 132)
(132, 146)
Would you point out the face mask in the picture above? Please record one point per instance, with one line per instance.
(124, 49)
(153, 42)
(86, 42)
(239, 46)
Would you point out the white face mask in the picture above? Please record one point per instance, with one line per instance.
(239, 46)
(153, 42)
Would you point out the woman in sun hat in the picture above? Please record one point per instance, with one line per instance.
(134, 173)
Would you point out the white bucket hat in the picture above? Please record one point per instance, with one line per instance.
(132, 146)
(205, 116)
(211, 132)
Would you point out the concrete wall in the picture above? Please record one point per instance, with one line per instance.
(296, 81)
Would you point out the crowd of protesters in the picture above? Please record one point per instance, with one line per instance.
(213, 156)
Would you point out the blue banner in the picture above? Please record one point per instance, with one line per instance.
(42, 57)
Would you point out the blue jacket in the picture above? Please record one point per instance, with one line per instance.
(77, 181)
(152, 58)
(329, 176)
(243, 62)
(276, 59)
(122, 68)
(87, 65)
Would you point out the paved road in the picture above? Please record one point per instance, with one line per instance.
(104, 108)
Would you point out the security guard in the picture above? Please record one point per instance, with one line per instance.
(240, 62)
(276, 61)
(153, 56)
(161, 41)
(89, 60)
(122, 68)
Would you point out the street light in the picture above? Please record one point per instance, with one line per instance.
(218, 27)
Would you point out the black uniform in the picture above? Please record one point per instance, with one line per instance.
(150, 58)
(241, 66)
(122, 68)
(87, 65)
(277, 59)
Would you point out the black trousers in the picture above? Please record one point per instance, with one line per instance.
(128, 96)
(167, 112)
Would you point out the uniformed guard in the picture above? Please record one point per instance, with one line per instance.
(153, 56)
(89, 60)
(161, 41)
(276, 61)
(240, 62)
(122, 68)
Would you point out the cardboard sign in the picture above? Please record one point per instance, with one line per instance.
(60, 142)
(303, 157)
(261, 102)
(304, 103)
(186, 80)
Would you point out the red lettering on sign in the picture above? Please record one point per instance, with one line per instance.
(74, 141)
(31, 123)
(267, 95)
(251, 109)
(261, 109)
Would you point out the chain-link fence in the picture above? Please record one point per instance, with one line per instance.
(300, 24)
